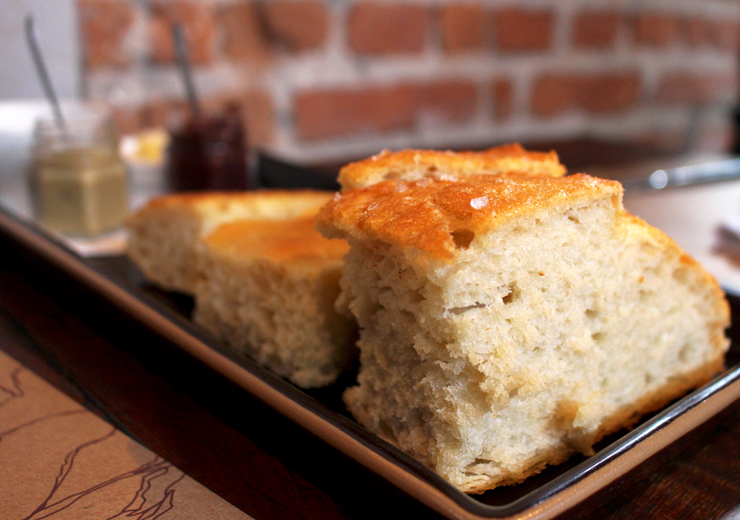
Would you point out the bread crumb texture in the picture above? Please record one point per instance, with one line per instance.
(269, 288)
(509, 322)
(264, 280)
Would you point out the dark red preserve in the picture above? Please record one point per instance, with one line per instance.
(209, 153)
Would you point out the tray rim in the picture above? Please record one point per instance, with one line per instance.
(550, 500)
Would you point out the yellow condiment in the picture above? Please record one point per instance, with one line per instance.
(79, 183)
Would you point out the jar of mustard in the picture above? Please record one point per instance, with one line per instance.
(78, 179)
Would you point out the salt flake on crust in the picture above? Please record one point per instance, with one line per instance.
(479, 202)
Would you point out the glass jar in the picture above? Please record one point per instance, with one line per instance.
(78, 179)
(209, 153)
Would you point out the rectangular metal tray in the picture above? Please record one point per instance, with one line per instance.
(320, 412)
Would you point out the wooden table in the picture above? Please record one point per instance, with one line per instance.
(192, 417)
(253, 458)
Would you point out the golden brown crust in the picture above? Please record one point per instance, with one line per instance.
(427, 214)
(190, 198)
(164, 234)
(261, 201)
(418, 164)
(284, 241)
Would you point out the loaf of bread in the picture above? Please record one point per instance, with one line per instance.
(264, 280)
(164, 234)
(508, 322)
(412, 165)
(268, 288)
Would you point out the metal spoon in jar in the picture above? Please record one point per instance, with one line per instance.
(38, 61)
(183, 61)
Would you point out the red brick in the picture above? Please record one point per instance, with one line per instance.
(242, 34)
(692, 88)
(503, 99)
(462, 27)
(602, 93)
(103, 27)
(726, 35)
(595, 29)
(610, 92)
(657, 30)
(718, 34)
(698, 31)
(523, 30)
(379, 29)
(259, 113)
(296, 25)
(198, 22)
(448, 101)
(553, 94)
(337, 112)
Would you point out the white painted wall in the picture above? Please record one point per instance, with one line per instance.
(56, 21)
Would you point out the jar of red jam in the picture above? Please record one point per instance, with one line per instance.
(209, 153)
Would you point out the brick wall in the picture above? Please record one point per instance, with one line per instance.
(329, 79)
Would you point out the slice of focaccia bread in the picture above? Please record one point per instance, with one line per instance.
(163, 236)
(509, 322)
(419, 164)
(269, 288)
(264, 279)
